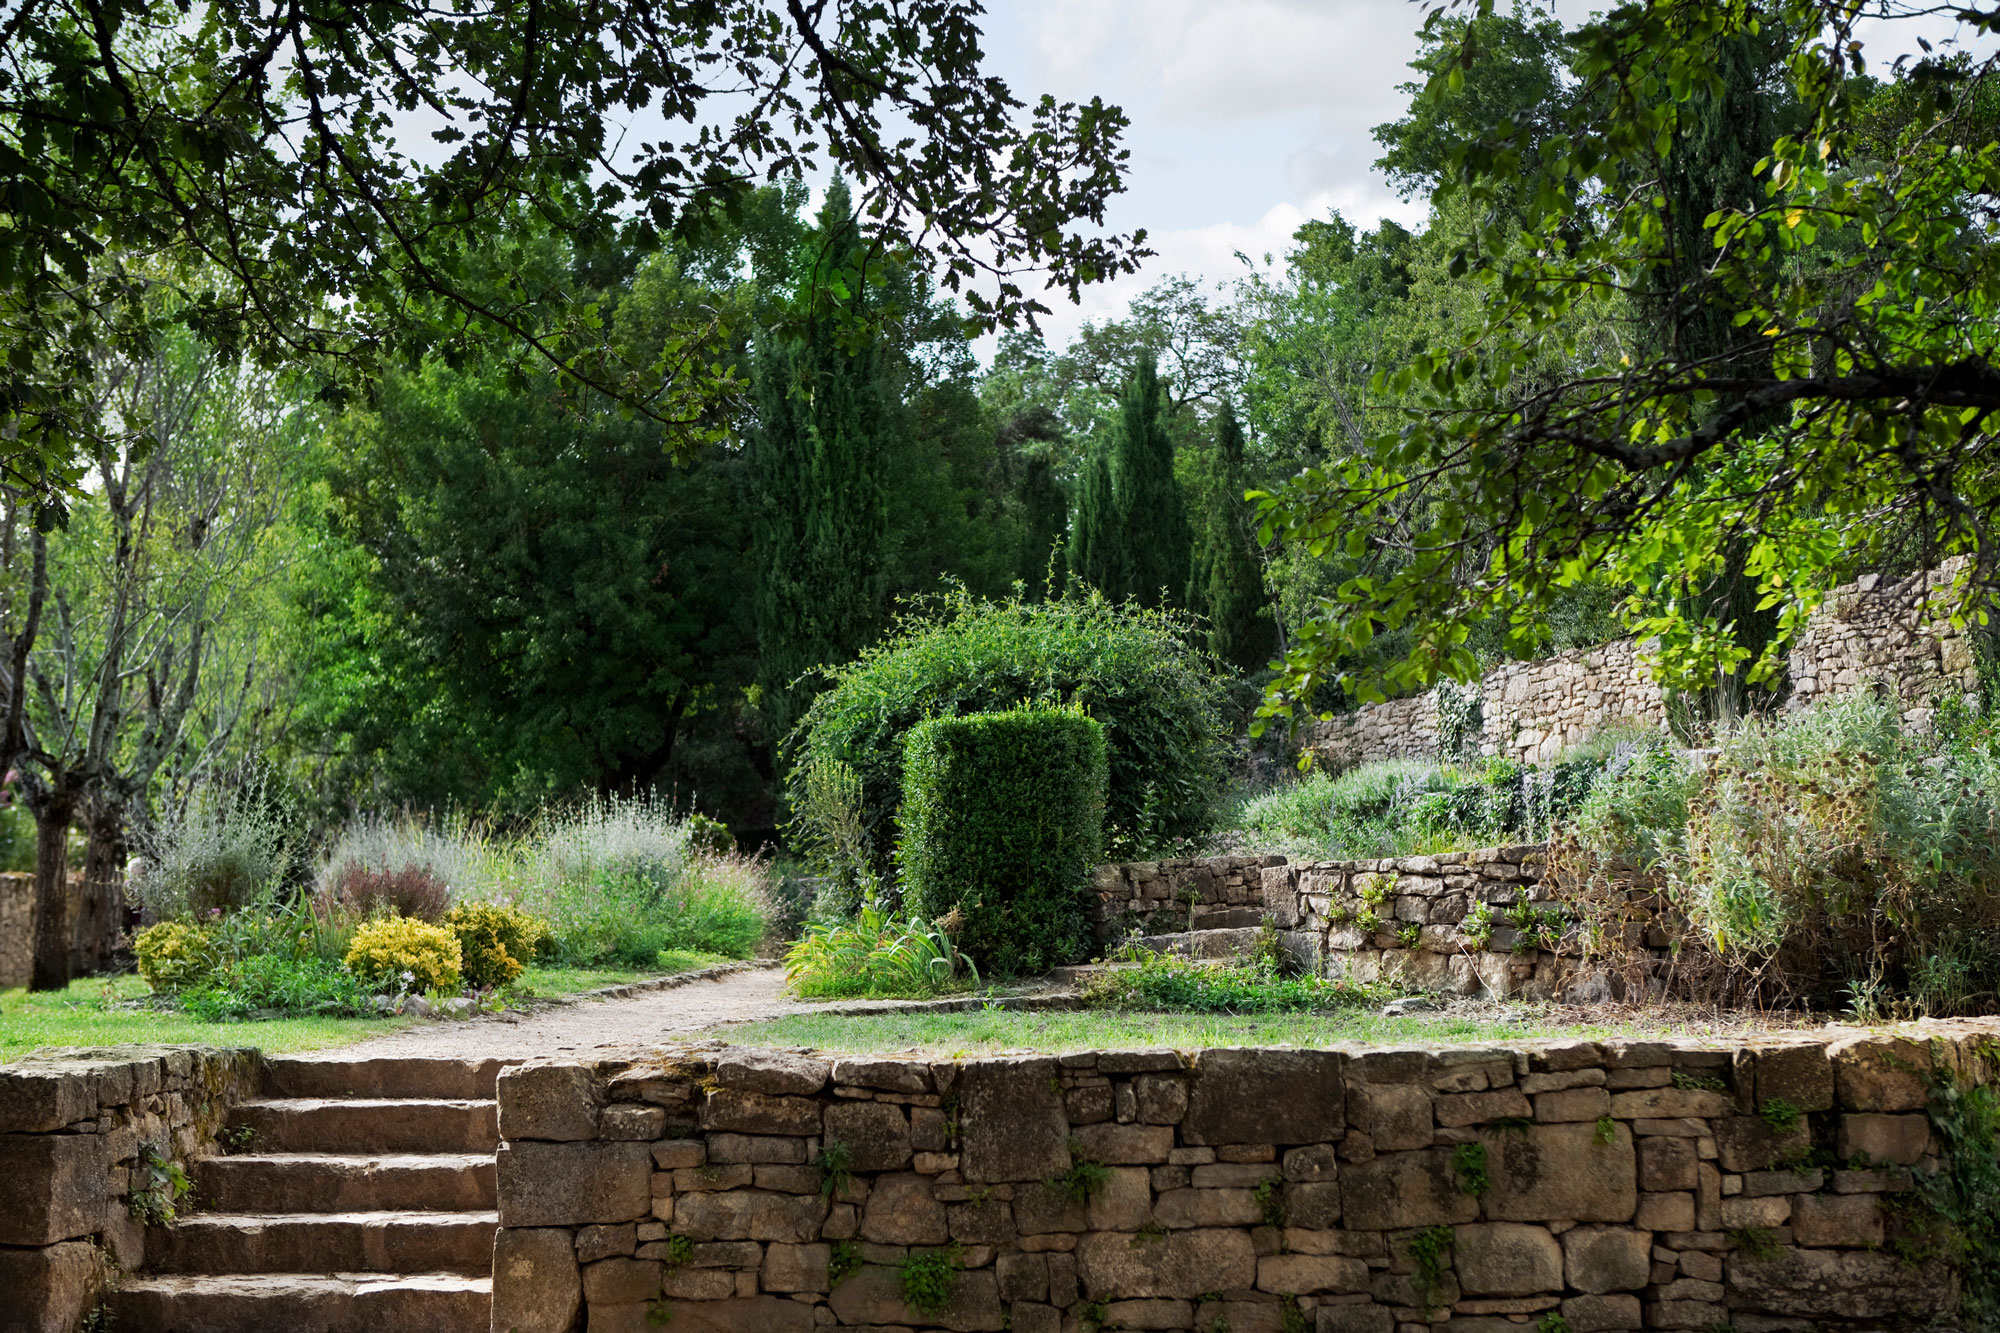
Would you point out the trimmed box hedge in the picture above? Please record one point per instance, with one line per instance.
(1002, 824)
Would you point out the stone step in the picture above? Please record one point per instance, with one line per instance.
(386, 1242)
(368, 1125)
(303, 1303)
(344, 1182)
(1233, 943)
(1227, 918)
(380, 1076)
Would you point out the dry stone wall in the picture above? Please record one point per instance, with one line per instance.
(1875, 634)
(71, 1134)
(1761, 1185)
(1468, 923)
(17, 924)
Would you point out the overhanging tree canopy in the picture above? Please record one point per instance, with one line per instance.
(328, 178)
(1846, 412)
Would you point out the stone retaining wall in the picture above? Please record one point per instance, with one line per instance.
(1471, 923)
(17, 924)
(71, 1134)
(1872, 633)
(1761, 1185)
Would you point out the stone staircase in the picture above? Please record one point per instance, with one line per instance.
(363, 1200)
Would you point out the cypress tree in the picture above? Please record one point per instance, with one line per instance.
(1043, 515)
(1150, 520)
(1228, 583)
(1095, 548)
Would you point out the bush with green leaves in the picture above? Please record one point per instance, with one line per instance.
(227, 848)
(1163, 701)
(1002, 824)
(1170, 981)
(877, 956)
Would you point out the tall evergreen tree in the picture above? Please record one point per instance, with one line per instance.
(1228, 586)
(1043, 514)
(1151, 527)
(1096, 550)
(827, 419)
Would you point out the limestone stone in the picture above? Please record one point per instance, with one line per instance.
(689, 1284)
(1088, 1104)
(1042, 1209)
(1144, 1316)
(1572, 1104)
(759, 1113)
(749, 1215)
(52, 1187)
(753, 1314)
(1354, 1319)
(1672, 1211)
(1506, 1259)
(1549, 1172)
(988, 1222)
(1305, 1274)
(1124, 1145)
(774, 1072)
(632, 1121)
(1840, 1284)
(715, 1176)
(569, 1184)
(885, 1075)
(1799, 1076)
(1033, 1317)
(1186, 1263)
(1159, 1099)
(1823, 1220)
(49, 1289)
(1671, 1103)
(1022, 1277)
(674, 1153)
(1396, 1116)
(1265, 1096)
(1601, 1314)
(1315, 1162)
(1124, 1202)
(1404, 1189)
(604, 1242)
(1739, 1213)
(558, 1102)
(903, 1209)
(759, 1149)
(795, 1267)
(1477, 1108)
(874, 1296)
(1749, 1143)
(1876, 1073)
(1208, 1208)
(1599, 1259)
(1011, 1124)
(1314, 1204)
(1666, 1163)
(37, 1100)
(875, 1134)
(622, 1281)
(1900, 1139)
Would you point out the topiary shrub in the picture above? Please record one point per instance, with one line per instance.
(1002, 823)
(175, 954)
(495, 941)
(402, 954)
(1163, 703)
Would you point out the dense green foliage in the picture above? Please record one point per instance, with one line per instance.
(1002, 823)
(1161, 700)
(876, 955)
(1167, 981)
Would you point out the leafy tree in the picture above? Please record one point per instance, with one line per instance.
(254, 155)
(1847, 406)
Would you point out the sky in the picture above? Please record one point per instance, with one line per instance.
(1248, 116)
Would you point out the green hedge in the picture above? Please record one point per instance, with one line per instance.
(1003, 822)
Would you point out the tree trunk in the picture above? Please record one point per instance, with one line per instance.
(51, 970)
(100, 922)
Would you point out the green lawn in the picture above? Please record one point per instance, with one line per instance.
(987, 1031)
(93, 1012)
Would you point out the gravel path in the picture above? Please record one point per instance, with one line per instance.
(582, 1026)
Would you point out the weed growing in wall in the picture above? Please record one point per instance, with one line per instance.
(1781, 1116)
(835, 1163)
(158, 1186)
(1468, 1164)
(929, 1278)
(1964, 1194)
(1083, 1179)
(843, 1262)
(1429, 1250)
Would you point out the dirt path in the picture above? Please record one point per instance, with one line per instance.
(580, 1027)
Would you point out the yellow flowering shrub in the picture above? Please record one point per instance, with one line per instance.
(175, 954)
(400, 953)
(497, 941)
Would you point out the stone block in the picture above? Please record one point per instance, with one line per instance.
(759, 1113)
(1124, 1202)
(1877, 1073)
(778, 1073)
(675, 1153)
(1602, 1314)
(36, 1100)
(1022, 1277)
(1572, 1104)
(1800, 1076)
(1043, 1209)
(749, 1215)
(874, 1296)
(1478, 1108)
(1840, 1285)
(1011, 1124)
(1159, 1099)
(1838, 1220)
(1146, 1315)
(1186, 1263)
(754, 1314)
(536, 1286)
(883, 1075)
(1604, 1259)
(1739, 1212)
(1748, 1143)
(795, 1267)
(1397, 1116)
(989, 1222)
(1898, 1139)
(1506, 1259)
(1551, 1172)
(1307, 1274)
(1665, 1212)
(1207, 1208)
(1404, 1189)
(557, 1102)
(758, 1149)
(1124, 1145)
(875, 1134)
(1671, 1103)
(715, 1176)
(1265, 1096)
(903, 1210)
(1354, 1319)
(624, 1281)
(1313, 1204)
(604, 1242)
(1315, 1162)
(1666, 1163)
(49, 1289)
(52, 1187)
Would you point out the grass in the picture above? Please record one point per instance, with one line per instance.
(91, 1012)
(987, 1031)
